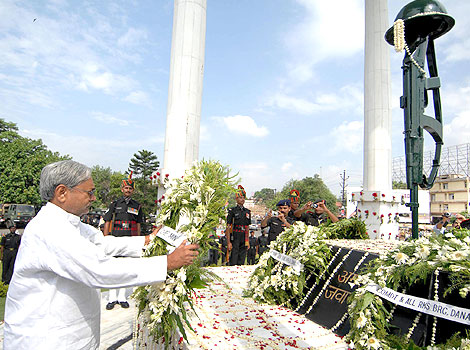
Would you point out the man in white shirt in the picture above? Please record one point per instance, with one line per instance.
(53, 301)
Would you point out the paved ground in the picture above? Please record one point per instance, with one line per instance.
(116, 326)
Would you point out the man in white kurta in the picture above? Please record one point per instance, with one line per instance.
(53, 300)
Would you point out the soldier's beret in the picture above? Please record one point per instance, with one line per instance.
(283, 202)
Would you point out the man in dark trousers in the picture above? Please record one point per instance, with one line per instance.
(223, 248)
(238, 222)
(263, 243)
(213, 251)
(9, 248)
(123, 218)
(253, 250)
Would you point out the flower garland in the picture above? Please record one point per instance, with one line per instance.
(399, 41)
(403, 266)
(319, 279)
(346, 314)
(273, 282)
(328, 281)
(193, 205)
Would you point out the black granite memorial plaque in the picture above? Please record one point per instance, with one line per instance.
(330, 298)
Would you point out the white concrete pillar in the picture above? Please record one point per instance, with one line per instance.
(377, 108)
(377, 204)
(185, 87)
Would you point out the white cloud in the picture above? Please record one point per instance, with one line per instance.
(242, 124)
(204, 133)
(286, 166)
(348, 98)
(133, 37)
(138, 98)
(458, 130)
(65, 49)
(329, 30)
(456, 44)
(348, 137)
(109, 119)
(91, 151)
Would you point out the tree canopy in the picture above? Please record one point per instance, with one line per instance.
(398, 185)
(310, 188)
(144, 163)
(265, 195)
(107, 184)
(22, 160)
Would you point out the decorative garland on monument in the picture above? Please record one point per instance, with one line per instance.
(273, 282)
(194, 205)
(401, 268)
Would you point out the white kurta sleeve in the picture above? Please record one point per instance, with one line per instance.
(114, 246)
(76, 257)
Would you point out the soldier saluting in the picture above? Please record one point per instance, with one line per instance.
(238, 222)
(123, 218)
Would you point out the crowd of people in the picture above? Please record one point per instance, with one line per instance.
(240, 244)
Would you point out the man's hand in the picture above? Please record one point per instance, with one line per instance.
(182, 256)
(151, 236)
(307, 206)
(229, 245)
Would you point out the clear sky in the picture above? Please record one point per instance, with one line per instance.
(283, 82)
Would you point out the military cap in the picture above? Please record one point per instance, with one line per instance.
(128, 181)
(240, 192)
(283, 202)
(294, 196)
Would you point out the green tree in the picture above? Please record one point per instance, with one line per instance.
(310, 188)
(398, 185)
(265, 195)
(107, 184)
(22, 160)
(144, 163)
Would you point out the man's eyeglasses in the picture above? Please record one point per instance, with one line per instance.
(90, 193)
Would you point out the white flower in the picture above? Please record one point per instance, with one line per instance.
(464, 291)
(456, 241)
(457, 255)
(361, 321)
(401, 258)
(465, 345)
(373, 343)
(422, 252)
(182, 275)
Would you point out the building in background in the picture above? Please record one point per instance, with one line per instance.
(450, 193)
